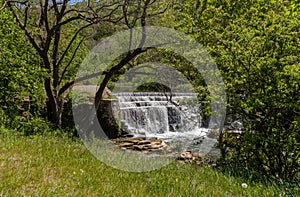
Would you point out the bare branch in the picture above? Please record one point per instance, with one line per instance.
(46, 16)
(154, 1)
(113, 70)
(55, 6)
(67, 21)
(63, 8)
(70, 61)
(43, 22)
(109, 15)
(126, 13)
(75, 11)
(3, 6)
(124, 8)
(157, 13)
(136, 14)
(27, 32)
(144, 15)
(71, 42)
(68, 85)
(26, 15)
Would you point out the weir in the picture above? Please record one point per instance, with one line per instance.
(159, 114)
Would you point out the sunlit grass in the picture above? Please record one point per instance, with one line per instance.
(48, 165)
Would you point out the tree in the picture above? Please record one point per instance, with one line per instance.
(46, 24)
(256, 48)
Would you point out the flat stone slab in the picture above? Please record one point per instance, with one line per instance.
(143, 145)
(140, 144)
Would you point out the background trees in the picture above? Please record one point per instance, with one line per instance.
(256, 48)
(21, 96)
(255, 45)
(53, 29)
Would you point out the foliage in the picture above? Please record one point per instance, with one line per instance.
(56, 30)
(21, 93)
(256, 48)
(33, 126)
(255, 44)
(294, 8)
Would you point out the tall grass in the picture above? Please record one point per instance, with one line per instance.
(55, 165)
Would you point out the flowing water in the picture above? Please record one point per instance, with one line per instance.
(174, 119)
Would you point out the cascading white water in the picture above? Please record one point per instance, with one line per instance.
(158, 114)
(142, 120)
(175, 120)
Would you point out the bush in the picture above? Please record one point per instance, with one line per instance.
(3, 118)
(256, 47)
(34, 126)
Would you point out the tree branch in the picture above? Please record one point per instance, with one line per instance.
(70, 61)
(71, 42)
(3, 6)
(71, 83)
(115, 69)
(27, 32)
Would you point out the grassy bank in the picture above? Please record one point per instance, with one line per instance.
(48, 165)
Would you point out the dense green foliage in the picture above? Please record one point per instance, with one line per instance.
(254, 43)
(21, 95)
(256, 46)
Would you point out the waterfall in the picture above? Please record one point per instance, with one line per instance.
(154, 114)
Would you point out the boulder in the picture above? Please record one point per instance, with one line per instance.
(186, 155)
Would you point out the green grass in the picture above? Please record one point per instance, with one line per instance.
(48, 165)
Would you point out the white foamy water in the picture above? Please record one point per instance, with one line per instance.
(175, 119)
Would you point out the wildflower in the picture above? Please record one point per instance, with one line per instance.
(244, 185)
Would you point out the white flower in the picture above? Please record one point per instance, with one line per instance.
(244, 185)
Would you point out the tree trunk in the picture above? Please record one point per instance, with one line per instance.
(53, 115)
(53, 108)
